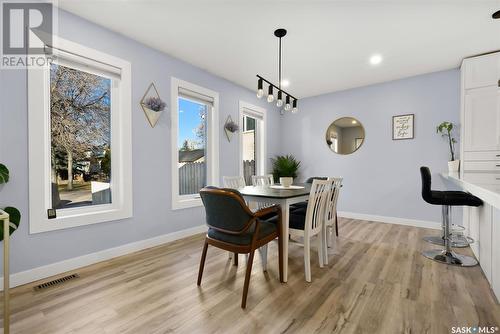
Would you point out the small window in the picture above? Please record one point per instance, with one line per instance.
(194, 142)
(252, 141)
(79, 138)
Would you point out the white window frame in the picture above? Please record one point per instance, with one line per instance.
(212, 142)
(249, 109)
(40, 193)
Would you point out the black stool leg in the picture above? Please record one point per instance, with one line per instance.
(446, 255)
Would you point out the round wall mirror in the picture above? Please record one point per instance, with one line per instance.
(345, 135)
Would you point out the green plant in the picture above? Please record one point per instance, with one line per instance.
(14, 214)
(285, 166)
(445, 129)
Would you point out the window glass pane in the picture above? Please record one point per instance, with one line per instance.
(249, 123)
(80, 120)
(249, 148)
(192, 145)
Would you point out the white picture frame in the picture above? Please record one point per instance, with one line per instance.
(403, 127)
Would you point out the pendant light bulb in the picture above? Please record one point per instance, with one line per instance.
(279, 103)
(260, 91)
(287, 105)
(270, 96)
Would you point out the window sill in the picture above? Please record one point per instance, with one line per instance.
(80, 219)
(185, 203)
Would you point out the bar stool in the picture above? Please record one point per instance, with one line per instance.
(447, 199)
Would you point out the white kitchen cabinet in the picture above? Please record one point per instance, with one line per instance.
(485, 224)
(481, 71)
(482, 119)
(495, 252)
(474, 230)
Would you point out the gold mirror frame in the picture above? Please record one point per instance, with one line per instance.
(352, 119)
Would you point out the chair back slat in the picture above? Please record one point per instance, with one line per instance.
(234, 182)
(331, 205)
(316, 206)
(225, 209)
(262, 180)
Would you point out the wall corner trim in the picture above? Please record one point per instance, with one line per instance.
(391, 220)
(38, 273)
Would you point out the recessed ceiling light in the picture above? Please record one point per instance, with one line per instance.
(354, 121)
(375, 59)
(285, 83)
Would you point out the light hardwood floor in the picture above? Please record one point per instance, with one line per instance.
(376, 282)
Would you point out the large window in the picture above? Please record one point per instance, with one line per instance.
(79, 127)
(194, 142)
(80, 130)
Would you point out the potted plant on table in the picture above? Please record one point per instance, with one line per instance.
(285, 168)
(446, 129)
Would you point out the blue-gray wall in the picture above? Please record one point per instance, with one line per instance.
(151, 150)
(382, 177)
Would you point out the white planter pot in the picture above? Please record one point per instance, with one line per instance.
(286, 181)
(152, 116)
(453, 166)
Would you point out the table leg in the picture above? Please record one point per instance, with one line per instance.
(285, 212)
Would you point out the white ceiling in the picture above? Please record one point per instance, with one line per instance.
(328, 43)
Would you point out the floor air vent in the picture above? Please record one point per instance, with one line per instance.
(55, 282)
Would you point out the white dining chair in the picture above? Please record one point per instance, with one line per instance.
(234, 182)
(262, 180)
(331, 219)
(312, 223)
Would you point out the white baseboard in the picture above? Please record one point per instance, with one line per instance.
(52, 269)
(391, 220)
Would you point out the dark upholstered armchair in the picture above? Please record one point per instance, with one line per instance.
(232, 226)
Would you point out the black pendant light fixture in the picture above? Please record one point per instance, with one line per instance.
(290, 103)
(496, 15)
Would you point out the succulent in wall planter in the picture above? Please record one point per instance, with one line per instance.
(14, 214)
(285, 169)
(446, 131)
(230, 128)
(152, 105)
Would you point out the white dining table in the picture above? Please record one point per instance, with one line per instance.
(283, 197)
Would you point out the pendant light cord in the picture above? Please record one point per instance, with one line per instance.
(279, 65)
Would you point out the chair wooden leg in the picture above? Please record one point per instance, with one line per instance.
(235, 259)
(263, 256)
(321, 256)
(336, 225)
(307, 258)
(326, 238)
(202, 262)
(247, 279)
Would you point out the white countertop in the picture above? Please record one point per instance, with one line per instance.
(484, 185)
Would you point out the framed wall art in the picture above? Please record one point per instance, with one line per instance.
(403, 127)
